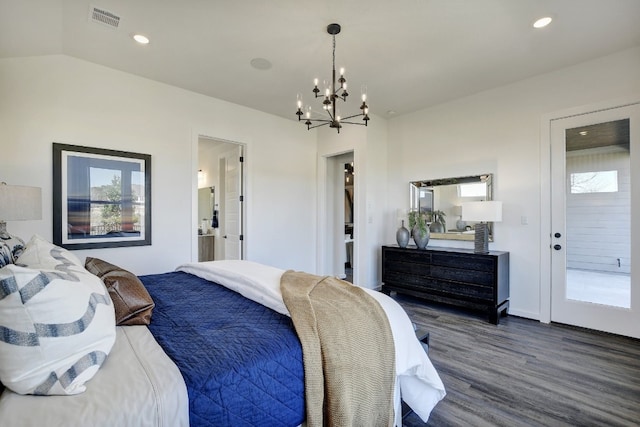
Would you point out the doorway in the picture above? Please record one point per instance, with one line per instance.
(220, 173)
(349, 218)
(593, 284)
(339, 227)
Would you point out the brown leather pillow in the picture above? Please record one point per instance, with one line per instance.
(132, 302)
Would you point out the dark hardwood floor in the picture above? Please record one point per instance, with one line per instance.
(526, 373)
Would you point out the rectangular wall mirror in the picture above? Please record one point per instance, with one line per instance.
(443, 197)
(206, 203)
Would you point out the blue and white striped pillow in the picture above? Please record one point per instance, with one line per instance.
(6, 257)
(15, 245)
(57, 323)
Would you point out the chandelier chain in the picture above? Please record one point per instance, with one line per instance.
(334, 53)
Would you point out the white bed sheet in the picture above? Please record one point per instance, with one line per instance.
(138, 385)
(417, 381)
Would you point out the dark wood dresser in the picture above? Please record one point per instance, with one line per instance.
(449, 275)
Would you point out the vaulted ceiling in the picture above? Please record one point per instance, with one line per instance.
(410, 54)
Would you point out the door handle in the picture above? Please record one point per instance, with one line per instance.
(557, 247)
(557, 235)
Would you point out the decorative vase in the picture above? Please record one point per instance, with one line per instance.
(402, 236)
(436, 227)
(419, 238)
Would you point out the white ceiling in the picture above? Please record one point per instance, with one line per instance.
(411, 54)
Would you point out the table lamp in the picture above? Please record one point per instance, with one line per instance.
(482, 212)
(18, 203)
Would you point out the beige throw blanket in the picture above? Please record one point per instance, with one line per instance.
(348, 351)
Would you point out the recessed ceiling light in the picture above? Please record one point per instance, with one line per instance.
(260, 63)
(141, 39)
(542, 22)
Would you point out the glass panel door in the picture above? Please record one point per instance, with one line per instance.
(592, 205)
(598, 213)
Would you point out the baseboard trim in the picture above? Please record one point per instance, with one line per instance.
(525, 314)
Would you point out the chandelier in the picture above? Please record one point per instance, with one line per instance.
(334, 90)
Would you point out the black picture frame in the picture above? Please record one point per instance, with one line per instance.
(101, 197)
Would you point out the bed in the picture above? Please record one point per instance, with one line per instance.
(138, 385)
(220, 350)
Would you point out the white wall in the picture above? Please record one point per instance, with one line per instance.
(498, 131)
(368, 145)
(376, 202)
(62, 99)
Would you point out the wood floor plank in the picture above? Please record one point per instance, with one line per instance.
(525, 373)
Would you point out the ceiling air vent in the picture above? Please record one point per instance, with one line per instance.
(103, 17)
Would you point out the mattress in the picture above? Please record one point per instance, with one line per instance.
(138, 385)
(241, 361)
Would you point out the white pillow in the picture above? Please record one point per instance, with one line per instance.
(57, 322)
(38, 254)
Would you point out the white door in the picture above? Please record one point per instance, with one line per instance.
(595, 161)
(233, 201)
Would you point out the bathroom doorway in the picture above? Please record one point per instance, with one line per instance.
(221, 219)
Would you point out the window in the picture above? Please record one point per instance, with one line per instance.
(594, 182)
(478, 189)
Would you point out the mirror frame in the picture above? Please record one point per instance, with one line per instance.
(414, 196)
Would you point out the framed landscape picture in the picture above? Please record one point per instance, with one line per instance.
(101, 198)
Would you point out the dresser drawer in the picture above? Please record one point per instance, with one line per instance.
(392, 256)
(465, 261)
(404, 267)
(448, 289)
(482, 278)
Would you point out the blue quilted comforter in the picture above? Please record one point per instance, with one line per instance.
(241, 361)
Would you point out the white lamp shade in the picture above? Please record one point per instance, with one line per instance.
(482, 211)
(20, 203)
